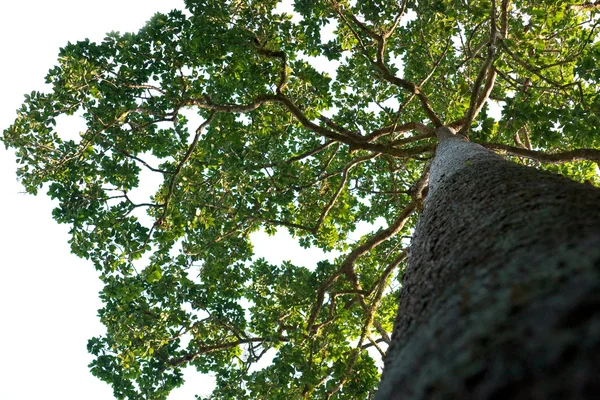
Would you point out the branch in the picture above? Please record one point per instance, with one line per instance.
(550, 158)
(504, 19)
(185, 158)
(355, 142)
(207, 104)
(536, 72)
(314, 229)
(303, 119)
(301, 156)
(283, 72)
(588, 5)
(415, 138)
(227, 345)
(411, 88)
(337, 127)
(411, 125)
(381, 41)
(368, 321)
(478, 96)
(417, 126)
(144, 163)
(390, 31)
(374, 343)
(348, 263)
(341, 187)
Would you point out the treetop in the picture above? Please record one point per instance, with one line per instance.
(315, 117)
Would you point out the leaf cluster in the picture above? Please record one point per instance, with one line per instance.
(245, 115)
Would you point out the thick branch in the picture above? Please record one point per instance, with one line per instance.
(551, 158)
(337, 127)
(283, 72)
(412, 88)
(355, 142)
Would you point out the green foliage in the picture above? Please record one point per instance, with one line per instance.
(229, 110)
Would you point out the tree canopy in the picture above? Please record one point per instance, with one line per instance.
(283, 142)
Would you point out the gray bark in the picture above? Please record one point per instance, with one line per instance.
(501, 298)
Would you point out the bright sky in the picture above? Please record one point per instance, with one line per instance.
(48, 297)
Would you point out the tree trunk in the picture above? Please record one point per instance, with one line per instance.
(501, 298)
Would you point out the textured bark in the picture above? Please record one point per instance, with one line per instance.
(501, 298)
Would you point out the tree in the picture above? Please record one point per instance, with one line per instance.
(500, 298)
(281, 143)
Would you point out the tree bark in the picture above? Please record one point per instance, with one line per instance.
(501, 297)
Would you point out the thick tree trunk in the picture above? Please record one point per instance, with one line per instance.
(501, 299)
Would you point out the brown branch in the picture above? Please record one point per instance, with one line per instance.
(207, 104)
(220, 346)
(314, 229)
(338, 8)
(535, 70)
(374, 343)
(301, 156)
(159, 221)
(355, 142)
(588, 5)
(341, 186)
(411, 125)
(287, 224)
(479, 96)
(185, 159)
(550, 158)
(141, 161)
(348, 263)
(283, 72)
(504, 19)
(369, 319)
(381, 41)
(370, 32)
(417, 126)
(415, 138)
(487, 90)
(336, 126)
(518, 142)
(411, 88)
(384, 335)
(396, 21)
(296, 112)
(526, 136)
